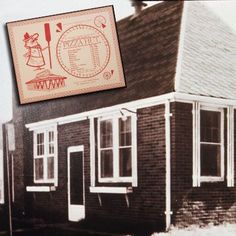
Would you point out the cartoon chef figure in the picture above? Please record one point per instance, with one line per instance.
(35, 51)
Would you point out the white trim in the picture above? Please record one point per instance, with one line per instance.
(118, 190)
(134, 149)
(115, 147)
(181, 46)
(230, 146)
(190, 98)
(79, 148)
(92, 151)
(196, 144)
(2, 177)
(211, 179)
(45, 131)
(194, 128)
(197, 178)
(79, 210)
(138, 104)
(40, 188)
(168, 164)
(221, 144)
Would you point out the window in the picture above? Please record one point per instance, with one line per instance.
(117, 149)
(1, 178)
(45, 155)
(211, 144)
(208, 144)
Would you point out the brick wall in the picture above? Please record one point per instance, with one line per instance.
(147, 202)
(53, 206)
(212, 202)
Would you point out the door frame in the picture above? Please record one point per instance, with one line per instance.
(70, 150)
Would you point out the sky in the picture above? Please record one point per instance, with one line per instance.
(11, 10)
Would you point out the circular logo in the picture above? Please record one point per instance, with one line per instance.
(83, 51)
(107, 75)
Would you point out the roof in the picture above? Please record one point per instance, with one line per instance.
(208, 65)
(45, 75)
(149, 46)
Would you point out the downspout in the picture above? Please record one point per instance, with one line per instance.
(168, 211)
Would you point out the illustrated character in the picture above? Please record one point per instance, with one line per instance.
(34, 54)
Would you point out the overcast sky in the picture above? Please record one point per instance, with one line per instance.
(11, 10)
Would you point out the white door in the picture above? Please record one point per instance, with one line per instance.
(76, 209)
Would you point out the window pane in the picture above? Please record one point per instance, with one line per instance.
(125, 162)
(106, 163)
(38, 168)
(40, 138)
(40, 150)
(40, 144)
(51, 148)
(125, 131)
(210, 160)
(51, 136)
(210, 126)
(50, 167)
(106, 133)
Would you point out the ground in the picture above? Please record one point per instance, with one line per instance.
(223, 230)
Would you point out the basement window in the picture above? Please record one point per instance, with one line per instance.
(117, 148)
(45, 155)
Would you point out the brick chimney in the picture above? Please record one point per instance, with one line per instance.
(138, 6)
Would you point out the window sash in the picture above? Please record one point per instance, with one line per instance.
(116, 159)
(221, 144)
(49, 138)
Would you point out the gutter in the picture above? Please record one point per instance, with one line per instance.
(168, 211)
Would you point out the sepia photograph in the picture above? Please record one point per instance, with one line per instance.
(117, 118)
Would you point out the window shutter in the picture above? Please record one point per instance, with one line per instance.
(196, 144)
(230, 146)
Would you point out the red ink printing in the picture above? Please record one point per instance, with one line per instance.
(45, 81)
(34, 54)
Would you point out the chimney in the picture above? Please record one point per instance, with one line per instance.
(138, 6)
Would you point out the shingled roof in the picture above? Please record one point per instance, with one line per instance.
(149, 47)
(208, 65)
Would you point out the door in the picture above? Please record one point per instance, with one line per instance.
(76, 209)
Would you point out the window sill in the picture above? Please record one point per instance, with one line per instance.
(116, 180)
(40, 188)
(116, 190)
(211, 179)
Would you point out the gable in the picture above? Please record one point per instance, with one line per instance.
(208, 55)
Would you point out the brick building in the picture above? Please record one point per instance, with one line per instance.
(160, 151)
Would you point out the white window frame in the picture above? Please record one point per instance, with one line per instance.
(45, 131)
(197, 146)
(1, 177)
(115, 134)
